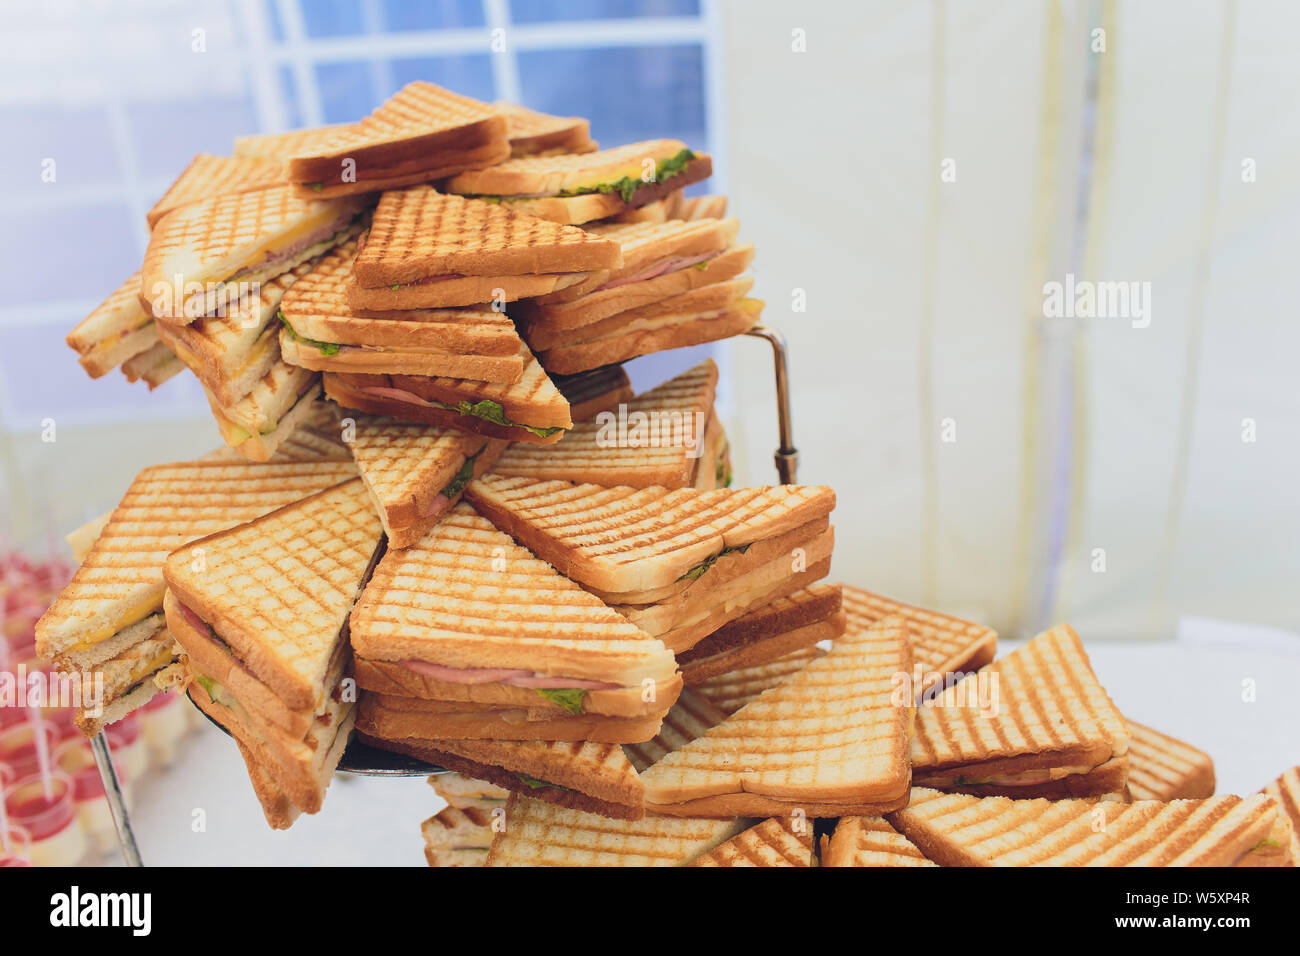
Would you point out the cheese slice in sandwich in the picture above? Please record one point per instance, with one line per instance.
(108, 617)
(467, 615)
(204, 256)
(965, 830)
(261, 611)
(830, 741)
(580, 188)
(1036, 723)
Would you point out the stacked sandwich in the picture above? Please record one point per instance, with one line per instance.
(107, 624)
(261, 612)
(679, 284)
(487, 554)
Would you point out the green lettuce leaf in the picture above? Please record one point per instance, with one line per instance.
(570, 698)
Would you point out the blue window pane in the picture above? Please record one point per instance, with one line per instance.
(467, 75)
(42, 379)
(273, 19)
(332, 18)
(69, 251)
(77, 140)
(166, 135)
(346, 91)
(440, 15)
(545, 11)
(289, 97)
(629, 94)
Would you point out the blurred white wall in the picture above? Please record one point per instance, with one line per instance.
(925, 298)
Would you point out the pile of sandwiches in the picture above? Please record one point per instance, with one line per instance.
(442, 524)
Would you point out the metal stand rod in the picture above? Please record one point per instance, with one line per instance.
(116, 803)
(787, 456)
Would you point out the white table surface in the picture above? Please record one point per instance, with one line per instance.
(1190, 690)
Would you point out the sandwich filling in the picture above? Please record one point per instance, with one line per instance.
(485, 409)
(626, 187)
(661, 268)
(315, 243)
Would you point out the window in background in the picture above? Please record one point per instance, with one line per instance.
(122, 98)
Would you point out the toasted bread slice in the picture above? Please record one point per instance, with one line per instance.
(770, 759)
(425, 722)
(1285, 790)
(790, 623)
(279, 589)
(117, 330)
(579, 188)
(298, 771)
(624, 540)
(419, 234)
(479, 343)
(1043, 729)
(777, 841)
(590, 393)
(458, 836)
(1161, 767)
(591, 777)
(416, 473)
(120, 582)
(533, 410)
(420, 127)
(207, 176)
(941, 645)
(963, 830)
(701, 207)
(138, 653)
(644, 336)
(650, 250)
(270, 413)
(870, 841)
(279, 811)
(661, 210)
(204, 256)
(468, 597)
(464, 792)
(231, 353)
(733, 690)
(662, 448)
(538, 833)
(539, 134)
(153, 366)
(697, 303)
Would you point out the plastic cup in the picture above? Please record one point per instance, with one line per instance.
(75, 758)
(51, 822)
(18, 746)
(15, 847)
